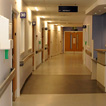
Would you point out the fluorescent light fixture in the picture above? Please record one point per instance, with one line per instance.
(42, 17)
(55, 24)
(36, 9)
(49, 21)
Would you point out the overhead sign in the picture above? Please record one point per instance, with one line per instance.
(68, 9)
(22, 14)
(34, 23)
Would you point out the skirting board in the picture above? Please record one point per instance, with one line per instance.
(25, 82)
(38, 66)
(73, 52)
(101, 86)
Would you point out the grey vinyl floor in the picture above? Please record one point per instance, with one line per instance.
(60, 84)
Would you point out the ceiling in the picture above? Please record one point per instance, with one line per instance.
(49, 9)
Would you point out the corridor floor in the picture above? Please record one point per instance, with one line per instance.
(61, 81)
(64, 64)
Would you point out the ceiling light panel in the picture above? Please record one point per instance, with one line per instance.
(36, 8)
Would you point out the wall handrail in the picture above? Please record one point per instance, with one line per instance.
(38, 51)
(6, 82)
(22, 62)
(88, 53)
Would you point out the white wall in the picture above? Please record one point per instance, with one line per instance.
(5, 8)
(56, 40)
(38, 37)
(87, 58)
(5, 65)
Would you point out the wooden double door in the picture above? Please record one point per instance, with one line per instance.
(73, 41)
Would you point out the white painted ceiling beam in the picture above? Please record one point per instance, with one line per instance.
(97, 8)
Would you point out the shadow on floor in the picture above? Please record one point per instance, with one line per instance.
(60, 84)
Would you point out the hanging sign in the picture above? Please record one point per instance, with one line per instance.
(68, 9)
(22, 14)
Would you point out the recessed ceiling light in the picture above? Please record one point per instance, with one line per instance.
(42, 17)
(95, 13)
(49, 21)
(36, 9)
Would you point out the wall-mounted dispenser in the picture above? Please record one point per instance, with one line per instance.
(5, 43)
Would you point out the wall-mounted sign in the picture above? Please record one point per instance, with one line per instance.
(46, 28)
(84, 26)
(68, 9)
(85, 42)
(39, 42)
(22, 14)
(34, 23)
(74, 29)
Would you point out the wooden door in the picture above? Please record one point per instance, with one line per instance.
(67, 41)
(48, 43)
(73, 41)
(33, 33)
(14, 53)
(79, 36)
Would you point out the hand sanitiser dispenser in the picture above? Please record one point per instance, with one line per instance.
(5, 42)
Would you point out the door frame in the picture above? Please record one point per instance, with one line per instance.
(14, 51)
(18, 51)
(64, 42)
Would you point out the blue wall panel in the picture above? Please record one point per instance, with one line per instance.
(99, 32)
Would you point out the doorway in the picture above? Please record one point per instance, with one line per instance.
(73, 41)
(14, 52)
